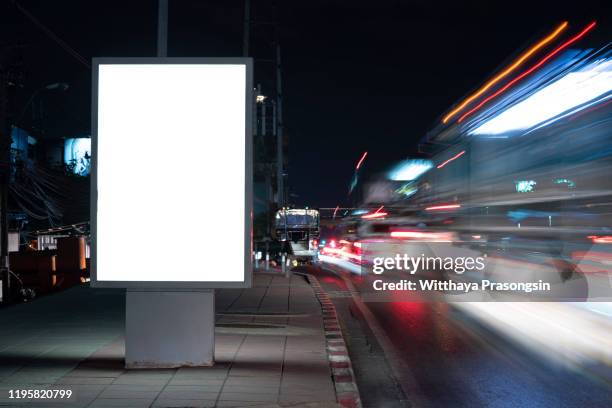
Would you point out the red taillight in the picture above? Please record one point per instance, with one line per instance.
(374, 215)
(443, 207)
(601, 239)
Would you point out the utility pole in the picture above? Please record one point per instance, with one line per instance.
(5, 142)
(9, 78)
(279, 130)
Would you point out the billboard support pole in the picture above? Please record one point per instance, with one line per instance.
(167, 328)
(162, 28)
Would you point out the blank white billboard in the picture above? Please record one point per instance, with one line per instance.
(171, 176)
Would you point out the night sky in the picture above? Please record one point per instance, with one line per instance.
(358, 76)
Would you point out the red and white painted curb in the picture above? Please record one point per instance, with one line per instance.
(347, 393)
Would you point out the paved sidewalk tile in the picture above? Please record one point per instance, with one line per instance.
(269, 349)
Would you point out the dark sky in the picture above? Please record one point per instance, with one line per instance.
(358, 75)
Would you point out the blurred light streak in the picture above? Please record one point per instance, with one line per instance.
(525, 186)
(567, 95)
(530, 70)
(407, 190)
(361, 160)
(602, 308)
(580, 108)
(559, 332)
(354, 182)
(342, 253)
(606, 239)
(565, 181)
(427, 236)
(443, 207)
(335, 211)
(409, 170)
(342, 263)
(507, 71)
(374, 215)
(458, 155)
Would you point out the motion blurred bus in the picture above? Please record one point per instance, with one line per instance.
(299, 228)
(531, 172)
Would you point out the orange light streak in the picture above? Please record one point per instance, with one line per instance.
(518, 62)
(530, 70)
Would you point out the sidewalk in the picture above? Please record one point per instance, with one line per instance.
(270, 351)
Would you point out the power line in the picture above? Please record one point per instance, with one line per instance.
(53, 36)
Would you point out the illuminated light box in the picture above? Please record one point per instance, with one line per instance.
(171, 172)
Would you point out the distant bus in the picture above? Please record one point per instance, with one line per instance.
(300, 228)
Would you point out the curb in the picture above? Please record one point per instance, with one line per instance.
(347, 393)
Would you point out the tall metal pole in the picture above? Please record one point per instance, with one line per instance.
(246, 34)
(269, 173)
(255, 118)
(5, 166)
(264, 112)
(162, 29)
(279, 130)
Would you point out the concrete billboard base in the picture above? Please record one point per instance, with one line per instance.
(169, 328)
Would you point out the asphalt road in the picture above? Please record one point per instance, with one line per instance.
(436, 355)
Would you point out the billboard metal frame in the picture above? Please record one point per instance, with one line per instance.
(248, 204)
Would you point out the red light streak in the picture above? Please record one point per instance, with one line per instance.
(374, 215)
(361, 160)
(443, 207)
(530, 70)
(606, 239)
(507, 71)
(341, 252)
(431, 236)
(458, 155)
